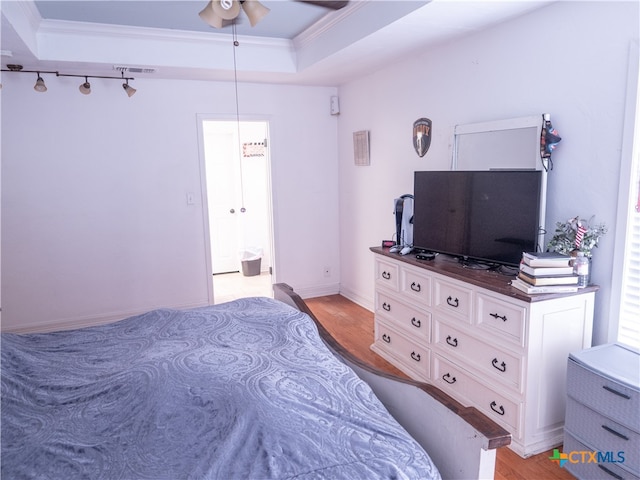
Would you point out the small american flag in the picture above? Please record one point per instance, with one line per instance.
(580, 235)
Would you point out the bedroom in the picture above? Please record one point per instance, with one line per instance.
(95, 227)
(88, 241)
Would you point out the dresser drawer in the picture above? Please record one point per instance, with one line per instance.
(501, 318)
(453, 299)
(602, 434)
(612, 399)
(415, 286)
(497, 364)
(609, 466)
(387, 274)
(461, 385)
(409, 354)
(415, 322)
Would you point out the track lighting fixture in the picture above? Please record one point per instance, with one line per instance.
(85, 87)
(40, 86)
(217, 11)
(127, 88)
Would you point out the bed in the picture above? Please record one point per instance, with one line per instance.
(242, 390)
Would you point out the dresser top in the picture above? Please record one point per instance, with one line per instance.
(496, 281)
(617, 362)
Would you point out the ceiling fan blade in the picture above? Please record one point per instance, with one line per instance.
(330, 4)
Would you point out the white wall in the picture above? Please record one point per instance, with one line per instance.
(95, 223)
(569, 59)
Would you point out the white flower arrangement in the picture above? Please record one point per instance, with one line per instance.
(578, 235)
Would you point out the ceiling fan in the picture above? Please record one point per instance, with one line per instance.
(218, 13)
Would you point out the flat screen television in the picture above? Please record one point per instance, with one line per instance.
(490, 216)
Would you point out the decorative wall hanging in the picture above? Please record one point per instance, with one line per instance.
(253, 149)
(422, 136)
(361, 147)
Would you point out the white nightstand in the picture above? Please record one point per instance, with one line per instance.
(602, 424)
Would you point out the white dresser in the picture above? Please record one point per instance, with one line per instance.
(481, 341)
(603, 413)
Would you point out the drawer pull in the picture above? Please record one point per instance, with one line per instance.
(617, 434)
(415, 356)
(452, 341)
(499, 410)
(386, 338)
(448, 376)
(497, 316)
(502, 367)
(614, 475)
(386, 275)
(386, 306)
(453, 302)
(620, 394)
(416, 323)
(416, 287)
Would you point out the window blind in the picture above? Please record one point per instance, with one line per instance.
(629, 320)
(629, 307)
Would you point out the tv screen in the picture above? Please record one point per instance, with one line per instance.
(489, 215)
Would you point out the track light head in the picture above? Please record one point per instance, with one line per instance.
(40, 86)
(85, 88)
(129, 89)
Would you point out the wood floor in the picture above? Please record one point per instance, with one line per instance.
(352, 325)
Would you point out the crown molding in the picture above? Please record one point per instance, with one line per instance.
(327, 23)
(81, 29)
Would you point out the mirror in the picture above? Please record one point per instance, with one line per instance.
(512, 144)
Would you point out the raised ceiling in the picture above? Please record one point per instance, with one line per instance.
(296, 42)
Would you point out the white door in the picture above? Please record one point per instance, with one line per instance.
(238, 192)
(222, 167)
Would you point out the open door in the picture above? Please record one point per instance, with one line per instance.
(238, 192)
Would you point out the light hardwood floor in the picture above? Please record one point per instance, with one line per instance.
(352, 326)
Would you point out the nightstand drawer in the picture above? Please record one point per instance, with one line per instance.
(612, 399)
(583, 466)
(602, 434)
(410, 354)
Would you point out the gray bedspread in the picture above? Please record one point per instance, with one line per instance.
(241, 390)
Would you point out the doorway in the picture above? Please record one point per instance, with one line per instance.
(238, 192)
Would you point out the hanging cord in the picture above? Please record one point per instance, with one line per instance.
(235, 81)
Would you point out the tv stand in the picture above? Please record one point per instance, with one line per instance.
(483, 342)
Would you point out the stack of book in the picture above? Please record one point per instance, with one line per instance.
(545, 272)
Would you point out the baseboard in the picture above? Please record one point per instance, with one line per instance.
(364, 302)
(90, 321)
(318, 290)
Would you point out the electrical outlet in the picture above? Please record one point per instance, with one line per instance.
(327, 271)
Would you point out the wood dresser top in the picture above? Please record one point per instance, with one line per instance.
(494, 280)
